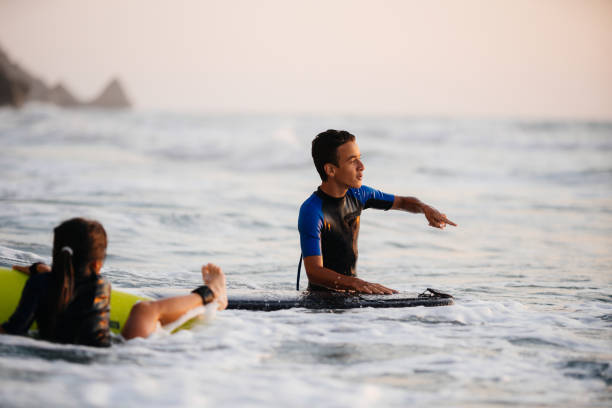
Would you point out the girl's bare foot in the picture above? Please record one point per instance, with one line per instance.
(213, 276)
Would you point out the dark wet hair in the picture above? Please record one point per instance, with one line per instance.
(325, 148)
(76, 244)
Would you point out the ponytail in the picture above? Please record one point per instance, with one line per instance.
(65, 279)
(63, 276)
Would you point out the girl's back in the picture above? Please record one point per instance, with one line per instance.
(84, 321)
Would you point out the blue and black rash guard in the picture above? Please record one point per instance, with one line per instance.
(84, 321)
(329, 226)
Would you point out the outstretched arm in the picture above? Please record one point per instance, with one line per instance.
(414, 205)
(321, 276)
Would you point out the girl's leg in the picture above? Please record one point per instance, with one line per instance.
(144, 316)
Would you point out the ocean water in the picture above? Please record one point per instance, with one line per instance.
(530, 263)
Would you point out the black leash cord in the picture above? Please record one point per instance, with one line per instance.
(297, 284)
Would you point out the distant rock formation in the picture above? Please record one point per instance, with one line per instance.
(113, 96)
(59, 95)
(17, 86)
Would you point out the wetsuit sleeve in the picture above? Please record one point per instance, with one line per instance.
(24, 315)
(95, 329)
(372, 198)
(309, 225)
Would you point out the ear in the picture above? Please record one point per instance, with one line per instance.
(330, 169)
(97, 265)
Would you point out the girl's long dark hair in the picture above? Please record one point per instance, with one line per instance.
(76, 244)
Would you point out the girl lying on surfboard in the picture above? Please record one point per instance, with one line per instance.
(70, 300)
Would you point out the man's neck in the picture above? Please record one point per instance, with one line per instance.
(333, 189)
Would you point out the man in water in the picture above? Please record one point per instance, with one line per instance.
(329, 218)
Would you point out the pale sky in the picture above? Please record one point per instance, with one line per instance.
(503, 58)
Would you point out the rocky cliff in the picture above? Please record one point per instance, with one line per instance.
(18, 86)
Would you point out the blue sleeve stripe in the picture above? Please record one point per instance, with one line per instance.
(371, 198)
(309, 225)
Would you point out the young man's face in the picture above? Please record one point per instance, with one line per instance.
(349, 171)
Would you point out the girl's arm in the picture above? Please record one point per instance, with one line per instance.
(23, 317)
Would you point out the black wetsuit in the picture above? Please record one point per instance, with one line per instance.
(329, 226)
(84, 321)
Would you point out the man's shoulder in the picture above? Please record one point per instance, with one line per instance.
(311, 203)
(311, 213)
(360, 191)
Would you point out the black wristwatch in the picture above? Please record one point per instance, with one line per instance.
(34, 268)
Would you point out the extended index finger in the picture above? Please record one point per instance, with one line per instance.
(446, 220)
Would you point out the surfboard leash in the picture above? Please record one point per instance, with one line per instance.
(297, 284)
